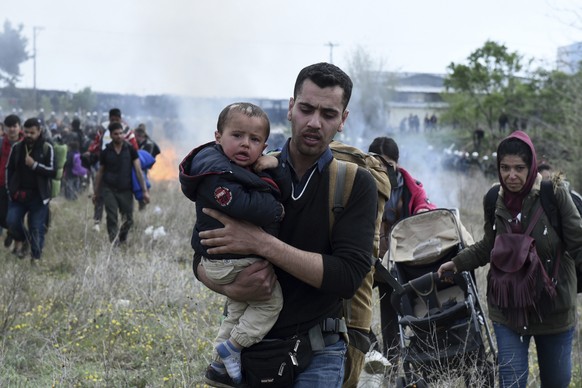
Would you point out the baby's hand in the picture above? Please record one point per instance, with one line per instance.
(264, 162)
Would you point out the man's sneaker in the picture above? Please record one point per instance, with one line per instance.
(221, 380)
(375, 363)
(97, 228)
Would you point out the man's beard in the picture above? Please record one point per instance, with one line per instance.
(29, 141)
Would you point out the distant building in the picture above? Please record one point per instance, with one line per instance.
(569, 58)
(416, 94)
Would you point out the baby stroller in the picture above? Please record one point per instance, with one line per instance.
(443, 329)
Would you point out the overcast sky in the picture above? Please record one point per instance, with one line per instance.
(229, 48)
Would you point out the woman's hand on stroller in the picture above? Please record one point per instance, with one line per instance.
(446, 271)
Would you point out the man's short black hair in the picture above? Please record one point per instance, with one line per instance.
(11, 120)
(32, 122)
(113, 126)
(325, 75)
(76, 124)
(544, 166)
(115, 112)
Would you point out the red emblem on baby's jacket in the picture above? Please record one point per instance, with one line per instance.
(223, 196)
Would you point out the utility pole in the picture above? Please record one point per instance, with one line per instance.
(331, 46)
(35, 30)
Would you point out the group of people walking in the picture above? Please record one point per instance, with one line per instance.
(27, 163)
(31, 171)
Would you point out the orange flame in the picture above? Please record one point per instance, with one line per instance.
(166, 166)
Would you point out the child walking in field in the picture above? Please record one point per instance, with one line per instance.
(232, 176)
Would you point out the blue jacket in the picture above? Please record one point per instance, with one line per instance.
(147, 161)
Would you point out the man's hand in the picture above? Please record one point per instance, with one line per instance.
(256, 282)
(244, 238)
(236, 236)
(29, 161)
(146, 196)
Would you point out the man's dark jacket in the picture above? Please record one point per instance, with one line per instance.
(44, 167)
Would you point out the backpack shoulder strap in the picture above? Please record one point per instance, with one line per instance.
(550, 205)
(533, 221)
(341, 181)
(489, 202)
(337, 178)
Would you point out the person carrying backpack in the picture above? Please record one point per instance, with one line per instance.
(29, 174)
(316, 267)
(531, 292)
(145, 144)
(407, 198)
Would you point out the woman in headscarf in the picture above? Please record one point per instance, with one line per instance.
(551, 317)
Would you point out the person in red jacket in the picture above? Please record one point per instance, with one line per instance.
(11, 134)
(407, 198)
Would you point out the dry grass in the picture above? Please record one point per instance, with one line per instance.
(90, 315)
(94, 315)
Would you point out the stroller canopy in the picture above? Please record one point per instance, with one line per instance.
(425, 237)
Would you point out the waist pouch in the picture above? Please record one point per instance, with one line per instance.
(275, 363)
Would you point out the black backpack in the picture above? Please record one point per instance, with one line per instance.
(550, 206)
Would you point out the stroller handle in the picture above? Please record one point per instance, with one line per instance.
(425, 284)
(424, 287)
